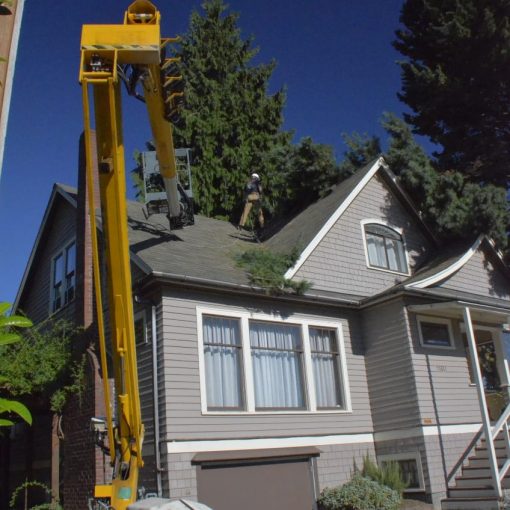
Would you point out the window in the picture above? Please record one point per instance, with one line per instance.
(410, 467)
(324, 350)
(435, 332)
(277, 352)
(222, 354)
(63, 277)
(140, 328)
(385, 248)
(252, 363)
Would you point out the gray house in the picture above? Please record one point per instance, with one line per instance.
(258, 401)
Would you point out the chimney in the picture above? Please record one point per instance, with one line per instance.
(84, 276)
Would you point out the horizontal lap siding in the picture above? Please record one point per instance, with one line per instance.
(61, 228)
(183, 418)
(445, 395)
(390, 374)
(339, 264)
(479, 276)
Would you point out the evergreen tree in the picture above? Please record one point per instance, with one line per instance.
(452, 205)
(455, 80)
(312, 171)
(230, 121)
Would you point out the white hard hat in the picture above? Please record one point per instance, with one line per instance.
(255, 176)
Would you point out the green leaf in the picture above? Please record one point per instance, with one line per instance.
(18, 408)
(9, 338)
(5, 423)
(15, 320)
(4, 306)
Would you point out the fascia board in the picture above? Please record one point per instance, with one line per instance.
(56, 191)
(334, 218)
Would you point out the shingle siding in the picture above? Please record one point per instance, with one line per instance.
(480, 276)
(182, 383)
(60, 229)
(339, 263)
(390, 374)
(445, 395)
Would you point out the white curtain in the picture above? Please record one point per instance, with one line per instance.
(325, 369)
(277, 367)
(376, 251)
(222, 351)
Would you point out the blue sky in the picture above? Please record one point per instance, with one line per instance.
(334, 57)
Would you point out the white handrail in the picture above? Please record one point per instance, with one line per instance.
(487, 429)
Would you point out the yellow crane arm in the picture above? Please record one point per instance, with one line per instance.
(103, 49)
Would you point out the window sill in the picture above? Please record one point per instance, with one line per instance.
(390, 271)
(265, 413)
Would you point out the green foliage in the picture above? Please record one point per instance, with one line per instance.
(231, 121)
(462, 105)
(266, 269)
(34, 484)
(389, 474)
(454, 207)
(41, 365)
(8, 337)
(361, 149)
(360, 493)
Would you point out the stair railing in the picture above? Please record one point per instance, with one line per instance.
(486, 424)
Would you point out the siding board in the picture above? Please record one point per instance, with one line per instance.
(182, 387)
(338, 263)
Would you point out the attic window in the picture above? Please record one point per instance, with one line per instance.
(63, 277)
(385, 248)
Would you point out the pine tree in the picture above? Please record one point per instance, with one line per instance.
(231, 122)
(455, 80)
(453, 206)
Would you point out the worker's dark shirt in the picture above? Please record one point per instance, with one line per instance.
(252, 187)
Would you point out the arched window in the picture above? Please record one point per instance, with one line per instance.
(385, 248)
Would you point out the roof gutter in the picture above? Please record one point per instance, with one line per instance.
(236, 288)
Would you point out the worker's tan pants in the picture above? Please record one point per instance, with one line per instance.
(253, 200)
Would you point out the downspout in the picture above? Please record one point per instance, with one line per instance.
(155, 394)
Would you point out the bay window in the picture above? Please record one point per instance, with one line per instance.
(254, 363)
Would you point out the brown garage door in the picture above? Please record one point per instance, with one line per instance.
(269, 483)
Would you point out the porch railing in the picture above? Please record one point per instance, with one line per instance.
(490, 432)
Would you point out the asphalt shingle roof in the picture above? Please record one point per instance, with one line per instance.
(300, 231)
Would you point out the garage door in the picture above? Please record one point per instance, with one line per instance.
(268, 483)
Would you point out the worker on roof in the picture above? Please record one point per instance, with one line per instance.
(252, 196)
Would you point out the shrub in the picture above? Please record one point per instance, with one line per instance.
(388, 474)
(360, 493)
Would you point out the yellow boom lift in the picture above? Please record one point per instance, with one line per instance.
(112, 54)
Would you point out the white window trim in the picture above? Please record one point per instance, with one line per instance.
(407, 456)
(56, 254)
(304, 322)
(396, 229)
(436, 320)
(142, 314)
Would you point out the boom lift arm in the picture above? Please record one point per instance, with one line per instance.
(106, 51)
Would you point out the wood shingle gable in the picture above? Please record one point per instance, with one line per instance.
(336, 259)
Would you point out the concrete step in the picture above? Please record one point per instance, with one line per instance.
(491, 503)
